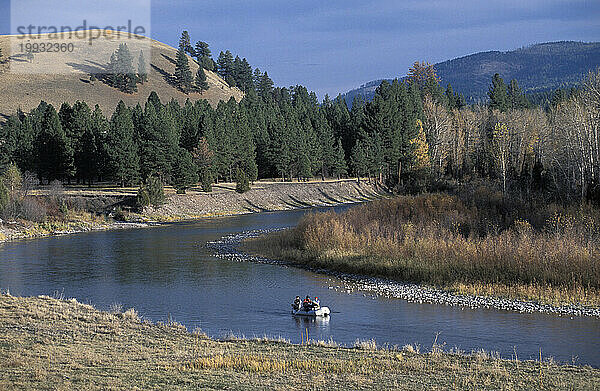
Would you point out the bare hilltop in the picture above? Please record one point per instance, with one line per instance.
(67, 79)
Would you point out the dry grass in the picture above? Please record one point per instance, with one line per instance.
(25, 91)
(542, 253)
(48, 343)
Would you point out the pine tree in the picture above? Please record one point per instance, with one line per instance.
(204, 56)
(83, 141)
(339, 119)
(230, 80)
(21, 140)
(142, 70)
(244, 149)
(265, 87)
(245, 80)
(100, 127)
(498, 94)
(120, 70)
(204, 159)
(183, 74)
(391, 117)
(10, 134)
(156, 191)
(185, 172)
(200, 49)
(359, 160)
(424, 76)
(185, 44)
(242, 183)
(206, 180)
(157, 142)
(339, 167)
(237, 71)
(256, 77)
(200, 83)
(123, 159)
(220, 141)
(54, 153)
(154, 100)
(225, 65)
(516, 98)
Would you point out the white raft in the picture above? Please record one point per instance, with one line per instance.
(321, 311)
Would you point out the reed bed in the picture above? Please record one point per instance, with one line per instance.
(478, 244)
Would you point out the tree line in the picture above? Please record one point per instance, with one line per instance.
(413, 134)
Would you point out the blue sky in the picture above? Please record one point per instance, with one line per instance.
(333, 46)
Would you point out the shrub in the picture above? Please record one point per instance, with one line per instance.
(143, 198)
(11, 210)
(78, 204)
(526, 249)
(32, 210)
(119, 215)
(64, 209)
(242, 182)
(156, 193)
(57, 191)
(207, 181)
(4, 196)
(12, 180)
(29, 181)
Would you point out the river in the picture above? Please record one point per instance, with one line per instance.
(167, 273)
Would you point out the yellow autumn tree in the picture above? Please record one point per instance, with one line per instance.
(423, 74)
(501, 150)
(421, 149)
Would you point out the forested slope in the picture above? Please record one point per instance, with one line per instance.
(537, 68)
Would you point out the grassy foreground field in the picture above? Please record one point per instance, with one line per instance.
(477, 244)
(47, 343)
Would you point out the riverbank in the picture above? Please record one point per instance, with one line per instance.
(77, 223)
(438, 241)
(250, 247)
(264, 196)
(223, 201)
(47, 343)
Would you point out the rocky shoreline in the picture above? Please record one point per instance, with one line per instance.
(223, 201)
(8, 235)
(228, 248)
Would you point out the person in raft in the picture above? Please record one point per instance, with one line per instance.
(297, 302)
(307, 304)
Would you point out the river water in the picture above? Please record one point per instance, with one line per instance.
(167, 273)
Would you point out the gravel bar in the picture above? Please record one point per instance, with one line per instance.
(228, 248)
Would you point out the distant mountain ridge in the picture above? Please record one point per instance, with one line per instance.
(537, 68)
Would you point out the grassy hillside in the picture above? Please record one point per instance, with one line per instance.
(537, 68)
(25, 91)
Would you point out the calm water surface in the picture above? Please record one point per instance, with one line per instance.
(166, 272)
